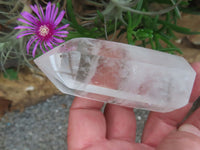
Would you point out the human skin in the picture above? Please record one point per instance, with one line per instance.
(115, 128)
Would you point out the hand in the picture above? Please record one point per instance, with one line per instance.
(90, 129)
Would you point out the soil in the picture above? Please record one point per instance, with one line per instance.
(189, 44)
(31, 87)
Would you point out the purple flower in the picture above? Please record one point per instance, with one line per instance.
(42, 27)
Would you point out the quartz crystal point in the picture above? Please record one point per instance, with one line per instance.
(119, 73)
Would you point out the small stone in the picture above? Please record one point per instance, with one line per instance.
(30, 88)
(139, 117)
(178, 40)
(195, 39)
(39, 77)
(64, 106)
(119, 73)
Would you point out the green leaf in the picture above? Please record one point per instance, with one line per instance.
(11, 74)
(178, 28)
(135, 19)
(65, 21)
(142, 34)
(38, 55)
(157, 42)
(139, 5)
(152, 44)
(72, 17)
(130, 22)
(70, 11)
(129, 29)
(160, 1)
(191, 10)
(148, 22)
(58, 5)
(155, 20)
(177, 11)
(170, 34)
(167, 41)
(100, 15)
(171, 50)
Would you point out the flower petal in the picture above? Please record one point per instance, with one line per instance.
(30, 42)
(41, 47)
(52, 12)
(60, 17)
(26, 31)
(58, 40)
(60, 35)
(53, 43)
(42, 12)
(63, 27)
(21, 35)
(24, 21)
(23, 27)
(62, 32)
(50, 45)
(46, 46)
(48, 11)
(55, 14)
(35, 48)
(29, 17)
(35, 9)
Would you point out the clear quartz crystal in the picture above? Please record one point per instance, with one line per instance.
(119, 73)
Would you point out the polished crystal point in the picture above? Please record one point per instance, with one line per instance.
(119, 73)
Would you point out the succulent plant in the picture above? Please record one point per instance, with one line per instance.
(12, 52)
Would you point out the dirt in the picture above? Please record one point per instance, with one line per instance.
(4, 106)
(189, 44)
(31, 88)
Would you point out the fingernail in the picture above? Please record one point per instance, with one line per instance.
(190, 129)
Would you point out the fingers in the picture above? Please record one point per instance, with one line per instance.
(196, 88)
(161, 124)
(121, 123)
(86, 123)
(180, 140)
(194, 120)
(189, 128)
(186, 137)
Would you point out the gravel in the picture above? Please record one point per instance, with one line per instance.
(44, 126)
(141, 117)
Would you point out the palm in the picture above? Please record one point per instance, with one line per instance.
(90, 129)
(117, 144)
(178, 144)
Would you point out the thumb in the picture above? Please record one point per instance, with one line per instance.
(190, 129)
(186, 137)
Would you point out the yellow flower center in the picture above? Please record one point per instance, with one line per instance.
(43, 30)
